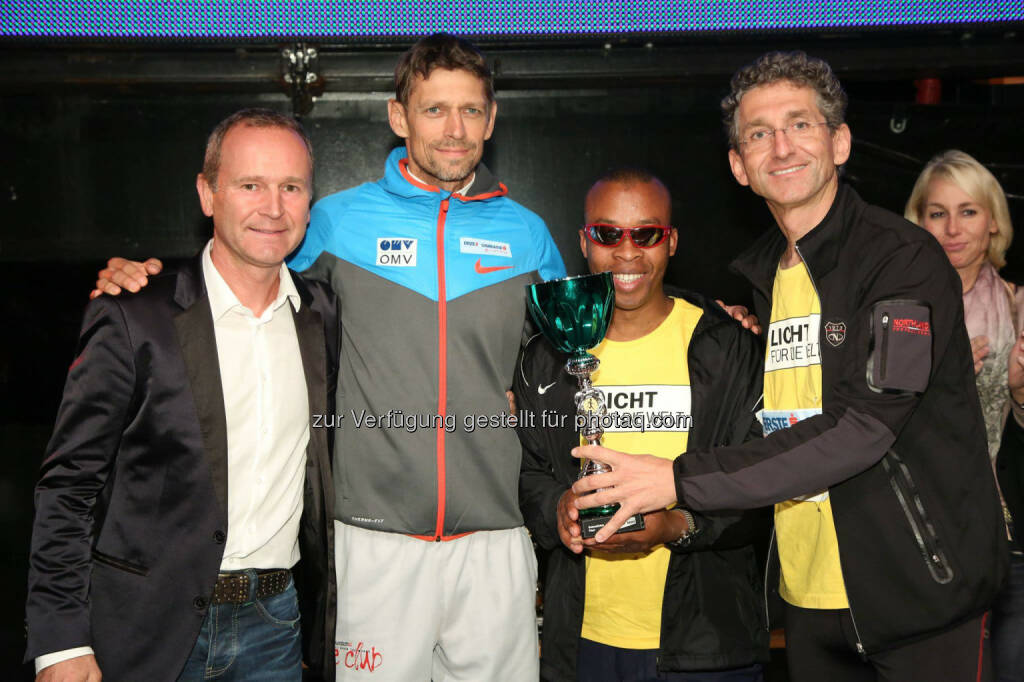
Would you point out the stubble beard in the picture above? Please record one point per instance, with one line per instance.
(455, 172)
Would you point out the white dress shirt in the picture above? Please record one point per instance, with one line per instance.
(267, 410)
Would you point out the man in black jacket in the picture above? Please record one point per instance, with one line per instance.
(684, 593)
(889, 530)
(176, 497)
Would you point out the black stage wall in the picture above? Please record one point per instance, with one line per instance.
(101, 145)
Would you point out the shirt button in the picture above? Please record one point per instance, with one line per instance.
(199, 603)
(219, 537)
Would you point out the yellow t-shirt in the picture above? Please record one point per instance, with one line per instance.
(647, 387)
(806, 535)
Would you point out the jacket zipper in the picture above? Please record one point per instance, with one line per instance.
(442, 368)
(810, 277)
(924, 533)
(853, 619)
(885, 345)
(767, 564)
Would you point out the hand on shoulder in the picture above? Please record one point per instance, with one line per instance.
(121, 273)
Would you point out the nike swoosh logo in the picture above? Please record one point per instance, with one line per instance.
(492, 268)
(544, 389)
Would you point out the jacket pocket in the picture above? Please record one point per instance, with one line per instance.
(928, 542)
(120, 564)
(900, 360)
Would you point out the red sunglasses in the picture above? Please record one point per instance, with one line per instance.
(642, 236)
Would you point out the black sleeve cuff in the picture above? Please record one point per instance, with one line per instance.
(677, 476)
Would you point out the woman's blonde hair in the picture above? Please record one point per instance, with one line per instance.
(964, 171)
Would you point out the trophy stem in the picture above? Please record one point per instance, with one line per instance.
(591, 411)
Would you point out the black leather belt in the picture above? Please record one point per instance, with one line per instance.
(233, 588)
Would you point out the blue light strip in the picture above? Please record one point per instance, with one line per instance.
(392, 18)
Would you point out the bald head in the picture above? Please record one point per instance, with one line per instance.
(628, 201)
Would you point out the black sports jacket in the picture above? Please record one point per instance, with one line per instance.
(713, 614)
(900, 443)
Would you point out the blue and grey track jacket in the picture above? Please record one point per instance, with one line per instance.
(433, 308)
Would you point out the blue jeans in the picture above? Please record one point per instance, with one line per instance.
(596, 662)
(252, 642)
(1008, 625)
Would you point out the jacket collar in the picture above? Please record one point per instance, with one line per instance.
(399, 181)
(713, 313)
(819, 248)
(191, 286)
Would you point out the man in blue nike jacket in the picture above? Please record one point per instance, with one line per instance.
(436, 572)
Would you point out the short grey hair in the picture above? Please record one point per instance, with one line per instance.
(795, 67)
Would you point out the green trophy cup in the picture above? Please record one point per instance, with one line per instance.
(573, 313)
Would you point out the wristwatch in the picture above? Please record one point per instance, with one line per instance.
(688, 535)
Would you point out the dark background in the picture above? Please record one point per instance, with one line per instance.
(100, 145)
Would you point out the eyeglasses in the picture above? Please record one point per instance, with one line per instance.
(762, 138)
(642, 236)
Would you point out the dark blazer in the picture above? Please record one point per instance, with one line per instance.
(131, 505)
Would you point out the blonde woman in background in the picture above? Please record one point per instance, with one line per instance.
(962, 205)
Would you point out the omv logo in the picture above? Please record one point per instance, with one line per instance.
(396, 252)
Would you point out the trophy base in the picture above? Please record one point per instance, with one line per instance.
(589, 525)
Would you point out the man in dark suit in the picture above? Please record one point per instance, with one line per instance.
(183, 482)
